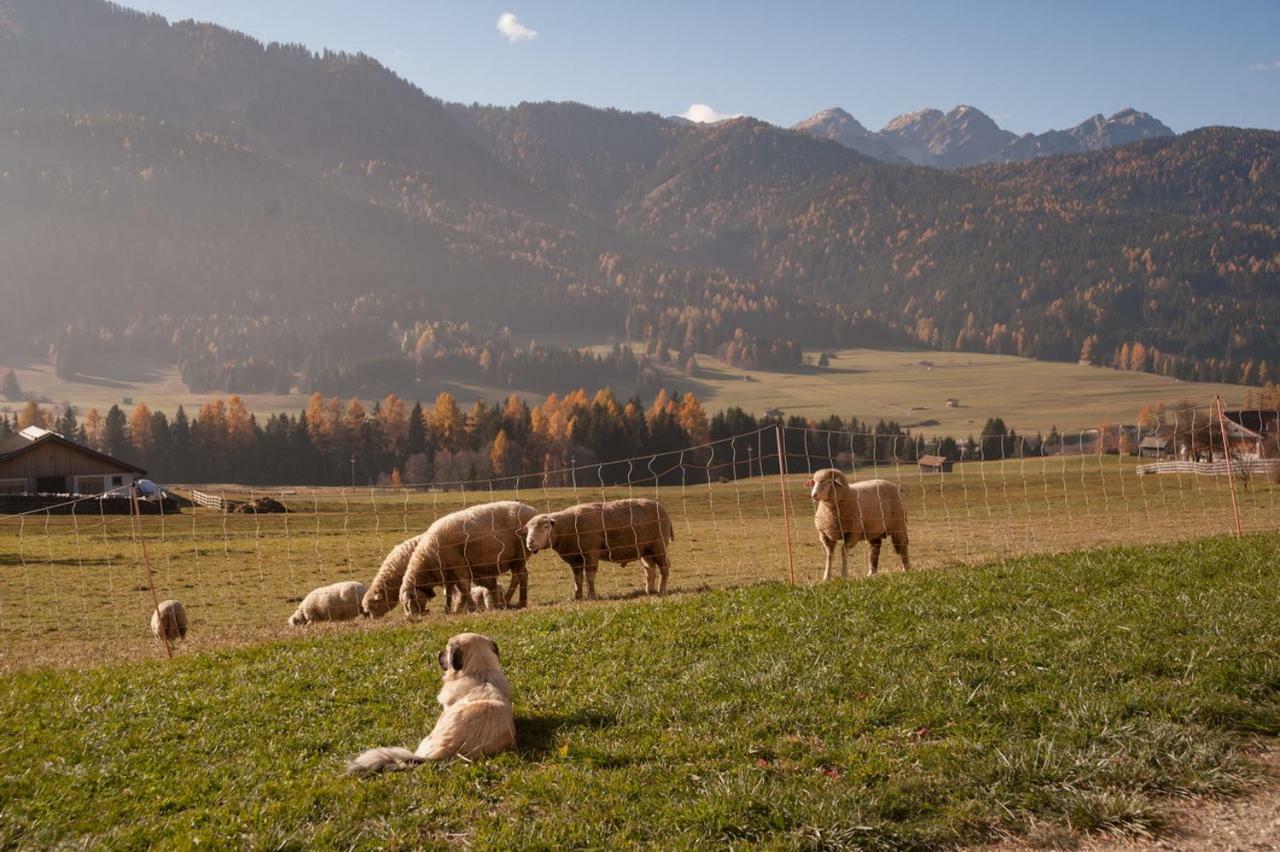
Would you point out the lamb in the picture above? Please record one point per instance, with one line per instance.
(470, 547)
(169, 621)
(848, 513)
(335, 602)
(618, 531)
(384, 591)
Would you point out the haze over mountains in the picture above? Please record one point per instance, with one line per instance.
(269, 217)
(966, 136)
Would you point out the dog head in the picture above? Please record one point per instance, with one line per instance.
(827, 484)
(539, 532)
(469, 653)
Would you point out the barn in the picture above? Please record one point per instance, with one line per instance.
(935, 464)
(37, 461)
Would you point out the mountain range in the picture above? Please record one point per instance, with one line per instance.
(966, 136)
(264, 215)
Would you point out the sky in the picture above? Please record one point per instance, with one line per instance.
(1031, 66)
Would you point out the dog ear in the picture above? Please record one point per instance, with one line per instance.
(495, 649)
(444, 663)
(457, 659)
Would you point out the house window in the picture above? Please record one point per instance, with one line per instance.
(117, 481)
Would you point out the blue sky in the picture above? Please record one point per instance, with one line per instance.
(1030, 65)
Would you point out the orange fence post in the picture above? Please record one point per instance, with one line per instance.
(786, 514)
(1226, 452)
(146, 560)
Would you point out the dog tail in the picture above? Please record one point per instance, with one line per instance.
(377, 760)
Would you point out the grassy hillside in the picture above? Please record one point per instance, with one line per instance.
(1075, 692)
(868, 383)
(912, 386)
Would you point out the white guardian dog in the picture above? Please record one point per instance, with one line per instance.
(477, 718)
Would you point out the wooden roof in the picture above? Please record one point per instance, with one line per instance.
(29, 439)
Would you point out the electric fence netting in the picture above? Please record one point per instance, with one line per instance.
(78, 585)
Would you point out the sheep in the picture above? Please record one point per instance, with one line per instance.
(384, 591)
(335, 602)
(470, 547)
(169, 621)
(618, 531)
(848, 513)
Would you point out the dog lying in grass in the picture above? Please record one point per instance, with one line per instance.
(477, 718)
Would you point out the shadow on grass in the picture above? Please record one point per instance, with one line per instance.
(536, 733)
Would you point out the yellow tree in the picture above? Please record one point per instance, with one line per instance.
(393, 419)
(93, 427)
(500, 453)
(694, 420)
(140, 428)
(239, 423)
(447, 422)
(32, 415)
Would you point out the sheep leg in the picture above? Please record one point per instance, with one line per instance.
(664, 566)
(844, 561)
(519, 579)
(900, 545)
(576, 565)
(830, 547)
(591, 581)
(875, 553)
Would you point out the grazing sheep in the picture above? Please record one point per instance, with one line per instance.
(384, 591)
(470, 547)
(618, 531)
(335, 602)
(848, 513)
(169, 621)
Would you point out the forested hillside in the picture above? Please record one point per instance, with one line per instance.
(268, 217)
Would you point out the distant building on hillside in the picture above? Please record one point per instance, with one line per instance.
(37, 461)
(1155, 447)
(952, 402)
(935, 464)
(775, 413)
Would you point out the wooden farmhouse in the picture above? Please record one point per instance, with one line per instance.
(37, 461)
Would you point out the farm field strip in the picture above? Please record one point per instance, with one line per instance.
(73, 589)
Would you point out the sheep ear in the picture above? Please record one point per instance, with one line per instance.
(457, 659)
(522, 531)
(808, 483)
(551, 521)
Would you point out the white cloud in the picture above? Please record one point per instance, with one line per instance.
(703, 114)
(1273, 65)
(509, 25)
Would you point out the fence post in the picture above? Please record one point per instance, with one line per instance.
(1226, 452)
(146, 559)
(786, 514)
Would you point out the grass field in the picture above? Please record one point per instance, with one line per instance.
(909, 386)
(73, 590)
(1054, 694)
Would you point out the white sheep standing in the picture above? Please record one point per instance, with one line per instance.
(621, 531)
(470, 547)
(849, 513)
(335, 602)
(384, 591)
(169, 621)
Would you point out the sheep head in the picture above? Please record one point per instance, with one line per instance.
(827, 484)
(538, 533)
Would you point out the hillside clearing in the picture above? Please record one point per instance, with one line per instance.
(908, 386)
(931, 708)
